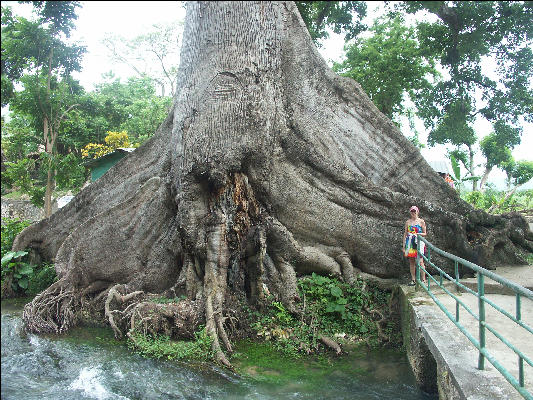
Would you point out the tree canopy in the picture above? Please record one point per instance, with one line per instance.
(153, 54)
(389, 64)
(464, 35)
(339, 16)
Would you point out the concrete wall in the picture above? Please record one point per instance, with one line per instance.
(422, 362)
(21, 209)
(441, 357)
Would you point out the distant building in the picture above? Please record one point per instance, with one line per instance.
(101, 165)
(441, 167)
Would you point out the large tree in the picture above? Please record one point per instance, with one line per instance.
(269, 166)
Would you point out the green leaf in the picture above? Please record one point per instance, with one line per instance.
(8, 257)
(23, 283)
(339, 307)
(455, 167)
(336, 291)
(342, 300)
(20, 254)
(11, 255)
(26, 269)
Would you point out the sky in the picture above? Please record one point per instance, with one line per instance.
(132, 18)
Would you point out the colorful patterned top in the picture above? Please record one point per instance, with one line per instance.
(410, 240)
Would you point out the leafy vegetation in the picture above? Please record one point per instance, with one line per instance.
(339, 16)
(498, 201)
(42, 277)
(13, 265)
(24, 278)
(389, 64)
(332, 309)
(113, 140)
(462, 35)
(36, 55)
(164, 347)
(10, 229)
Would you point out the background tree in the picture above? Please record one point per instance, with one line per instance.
(37, 56)
(389, 64)
(133, 106)
(465, 34)
(339, 16)
(154, 54)
(496, 148)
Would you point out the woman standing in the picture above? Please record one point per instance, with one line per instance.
(414, 227)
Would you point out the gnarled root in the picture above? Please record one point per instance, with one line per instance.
(177, 320)
(53, 310)
(113, 294)
(378, 323)
(215, 329)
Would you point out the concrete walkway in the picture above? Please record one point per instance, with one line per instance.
(452, 349)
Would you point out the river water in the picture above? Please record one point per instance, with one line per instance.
(90, 364)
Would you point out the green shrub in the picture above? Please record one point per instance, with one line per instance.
(21, 271)
(522, 200)
(163, 347)
(43, 276)
(331, 307)
(26, 278)
(10, 229)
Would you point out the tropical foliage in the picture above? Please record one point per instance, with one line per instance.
(332, 309)
(23, 277)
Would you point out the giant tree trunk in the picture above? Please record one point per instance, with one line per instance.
(269, 166)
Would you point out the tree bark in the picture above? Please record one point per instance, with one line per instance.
(268, 167)
(484, 178)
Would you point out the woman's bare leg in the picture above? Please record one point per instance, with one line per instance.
(422, 273)
(412, 268)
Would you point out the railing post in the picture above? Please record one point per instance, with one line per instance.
(456, 267)
(481, 303)
(520, 359)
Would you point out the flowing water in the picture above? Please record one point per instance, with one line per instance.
(90, 364)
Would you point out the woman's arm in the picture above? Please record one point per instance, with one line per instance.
(423, 225)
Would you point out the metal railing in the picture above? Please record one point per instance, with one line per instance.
(480, 344)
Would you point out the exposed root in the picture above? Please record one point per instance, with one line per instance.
(114, 294)
(378, 323)
(223, 335)
(53, 310)
(331, 344)
(211, 328)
